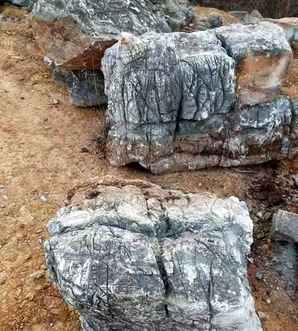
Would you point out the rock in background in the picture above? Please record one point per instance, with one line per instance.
(189, 101)
(74, 35)
(130, 255)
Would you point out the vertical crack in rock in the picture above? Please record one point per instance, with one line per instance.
(189, 101)
(137, 257)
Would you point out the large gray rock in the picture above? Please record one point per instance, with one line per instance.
(135, 257)
(98, 17)
(23, 3)
(174, 105)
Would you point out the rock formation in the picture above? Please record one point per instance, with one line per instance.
(132, 256)
(188, 101)
(285, 253)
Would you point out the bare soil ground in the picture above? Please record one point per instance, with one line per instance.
(47, 146)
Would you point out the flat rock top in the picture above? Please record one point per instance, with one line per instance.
(141, 207)
(241, 40)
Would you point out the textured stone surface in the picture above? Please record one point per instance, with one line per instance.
(136, 257)
(262, 54)
(86, 87)
(285, 226)
(24, 3)
(115, 16)
(173, 101)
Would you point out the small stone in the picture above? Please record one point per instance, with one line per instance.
(262, 316)
(295, 178)
(37, 275)
(55, 102)
(3, 278)
(268, 301)
(44, 198)
(84, 149)
(259, 275)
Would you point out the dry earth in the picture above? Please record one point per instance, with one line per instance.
(47, 146)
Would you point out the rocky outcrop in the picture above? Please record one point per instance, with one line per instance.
(132, 256)
(285, 253)
(184, 101)
(74, 35)
(285, 226)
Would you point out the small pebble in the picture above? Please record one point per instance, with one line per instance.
(262, 315)
(43, 198)
(3, 278)
(259, 275)
(37, 275)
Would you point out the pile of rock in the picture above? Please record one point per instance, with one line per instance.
(176, 100)
(132, 256)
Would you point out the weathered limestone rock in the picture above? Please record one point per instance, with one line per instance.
(24, 3)
(161, 85)
(135, 257)
(74, 35)
(285, 226)
(74, 58)
(262, 54)
(112, 17)
(86, 87)
(285, 253)
(294, 131)
(173, 100)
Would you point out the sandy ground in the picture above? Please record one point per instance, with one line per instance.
(47, 146)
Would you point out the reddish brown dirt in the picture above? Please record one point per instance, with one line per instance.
(47, 147)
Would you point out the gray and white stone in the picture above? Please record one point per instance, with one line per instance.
(137, 257)
(241, 40)
(115, 16)
(173, 103)
(285, 226)
(86, 87)
(161, 85)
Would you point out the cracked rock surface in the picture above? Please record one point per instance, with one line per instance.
(130, 255)
(183, 101)
(115, 16)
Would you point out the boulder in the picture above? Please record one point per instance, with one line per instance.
(132, 256)
(86, 87)
(23, 3)
(285, 254)
(160, 86)
(262, 54)
(174, 103)
(285, 226)
(74, 35)
(290, 26)
(111, 17)
(74, 58)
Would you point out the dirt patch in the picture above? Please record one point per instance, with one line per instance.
(47, 146)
